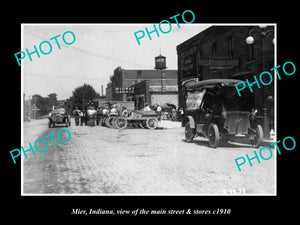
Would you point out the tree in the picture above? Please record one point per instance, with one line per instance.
(52, 99)
(42, 104)
(81, 96)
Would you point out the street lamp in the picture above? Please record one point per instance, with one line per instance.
(262, 32)
(250, 40)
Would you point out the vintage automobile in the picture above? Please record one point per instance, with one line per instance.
(140, 118)
(214, 110)
(59, 116)
(169, 112)
(136, 118)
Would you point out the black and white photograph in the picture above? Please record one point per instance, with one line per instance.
(150, 111)
(143, 109)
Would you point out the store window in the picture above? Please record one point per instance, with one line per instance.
(230, 46)
(214, 49)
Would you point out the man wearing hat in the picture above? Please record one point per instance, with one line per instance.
(146, 107)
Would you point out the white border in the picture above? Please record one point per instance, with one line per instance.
(130, 24)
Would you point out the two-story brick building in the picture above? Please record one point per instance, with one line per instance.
(150, 86)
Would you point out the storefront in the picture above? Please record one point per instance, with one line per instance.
(144, 92)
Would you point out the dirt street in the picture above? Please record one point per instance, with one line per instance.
(101, 160)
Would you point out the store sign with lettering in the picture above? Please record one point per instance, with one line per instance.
(124, 90)
(189, 62)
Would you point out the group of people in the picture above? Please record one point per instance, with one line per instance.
(166, 112)
(98, 114)
(156, 107)
(80, 117)
(93, 114)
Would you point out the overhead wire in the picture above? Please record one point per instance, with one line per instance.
(102, 56)
(60, 76)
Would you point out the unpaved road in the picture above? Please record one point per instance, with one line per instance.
(101, 160)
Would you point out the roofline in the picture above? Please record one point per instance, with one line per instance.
(206, 34)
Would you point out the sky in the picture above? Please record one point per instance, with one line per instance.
(98, 49)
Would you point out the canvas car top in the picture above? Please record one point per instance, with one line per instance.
(225, 82)
(59, 111)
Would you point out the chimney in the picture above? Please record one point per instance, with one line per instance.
(101, 90)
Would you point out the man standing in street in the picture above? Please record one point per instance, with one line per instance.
(98, 115)
(158, 110)
(78, 115)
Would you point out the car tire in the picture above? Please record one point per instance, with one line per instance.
(144, 125)
(258, 137)
(151, 123)
(113, 122)
(189, 133)
(213, 135)
(120, 123)
(109, 121)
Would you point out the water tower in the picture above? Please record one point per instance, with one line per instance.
(160, 64)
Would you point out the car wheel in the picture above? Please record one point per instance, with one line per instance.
(151, 123)
(143, 125)
(113, 122)
(213, 135)
(109, 122)
(189, 133)
(106, 121)
(258, 137)
(120, 123)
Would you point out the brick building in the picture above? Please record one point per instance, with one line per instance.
(151, 86)
(148, 91)
(222, 52)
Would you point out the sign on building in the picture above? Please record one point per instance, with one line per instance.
(125, 90)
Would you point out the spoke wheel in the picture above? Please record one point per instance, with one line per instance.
(213, 135)
(189, 132)
(258, 137)
(152, 123)
(120, 123)
(109, 122)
